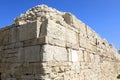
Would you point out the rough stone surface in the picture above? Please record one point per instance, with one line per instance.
(46, 44)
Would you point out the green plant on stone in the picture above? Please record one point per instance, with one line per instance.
(118, 77)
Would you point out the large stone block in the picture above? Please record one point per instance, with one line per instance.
(83, 40)
(82, 28)
(72, 39)
(79, 25)
(21, 55)
(29, 31)
(81, 55)
(4, 37)
(91, 36)
(43, 28)
(51, 53)
(13, 36)
(87, 56)
(57, 32)
(91, 47)
(55, 42)
(61, 35)
(73, 55)
(29, 54)
(10, 55)
(97, 58)
(68, 18)
(74, 22)
(32, 53)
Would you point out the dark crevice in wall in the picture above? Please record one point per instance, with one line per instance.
(0, 76)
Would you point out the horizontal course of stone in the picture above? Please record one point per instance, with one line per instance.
(46, 44)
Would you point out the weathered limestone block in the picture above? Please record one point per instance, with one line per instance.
(91, 39)
(33, 68)
(54, 53)
(55, 42)
(4, 37)
(91, 47)
(68, 18)
(73, 55)
(30, 54)
(29, 31)
(91, 35)
(99, 41)
(13, 35)
(83, 40)
(72, 39)
(9, 55)
(79, 25)
(81, 55)
(82, 29)
(87, 56)
(74, 22)
(57, 32)
(82, 36)
(92, 57)
(37, 68)
(42, 29)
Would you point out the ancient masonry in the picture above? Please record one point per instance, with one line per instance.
(45, 44)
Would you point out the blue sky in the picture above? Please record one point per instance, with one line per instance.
(101, 15)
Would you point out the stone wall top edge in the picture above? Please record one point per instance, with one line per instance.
(51, 9)
(102, 39)
(6, 27)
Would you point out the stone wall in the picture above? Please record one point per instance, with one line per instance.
(45, 44)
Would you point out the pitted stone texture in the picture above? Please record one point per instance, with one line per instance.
(28, 31)
(13, 36)
(56, 31)
(4, 37)
(30, 54)
(51, 53)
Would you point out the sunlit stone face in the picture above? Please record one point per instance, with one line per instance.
(74, 56)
